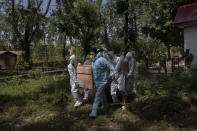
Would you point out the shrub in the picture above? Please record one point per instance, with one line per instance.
(21, 64)
(35, 73)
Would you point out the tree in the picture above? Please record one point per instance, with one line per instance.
(88, 24)
(80, 20)
(131, 10)
(26, 22)
(64, 21)
(5, 32)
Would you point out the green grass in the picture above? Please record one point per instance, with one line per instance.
(163, 102)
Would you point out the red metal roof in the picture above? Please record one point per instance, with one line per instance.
(186, 15)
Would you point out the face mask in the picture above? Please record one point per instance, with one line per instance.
(91, 57)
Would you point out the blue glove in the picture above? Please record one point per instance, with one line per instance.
(113, 78)
(110, 78)
(77, 84)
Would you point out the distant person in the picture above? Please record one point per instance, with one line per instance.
(73, 81)
(162, 61)
(188, 59)
(101, 76)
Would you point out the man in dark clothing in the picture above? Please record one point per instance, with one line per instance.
(162, 61)
(188, 59)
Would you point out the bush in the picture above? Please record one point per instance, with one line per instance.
(35, 73)
(21, 64)
(15, 81)
(176, 51)
(148, 50)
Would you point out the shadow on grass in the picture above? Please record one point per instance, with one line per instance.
(170, 98)
(173, 111)
(59, 124)
(10, 109)
(7, 101)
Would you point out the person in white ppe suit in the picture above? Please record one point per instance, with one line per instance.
(120, 83)
(114, 84)
(132, 72)
(73, 81)
(88, 61)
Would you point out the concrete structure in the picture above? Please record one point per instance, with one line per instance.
(8, 59)
(186, 18)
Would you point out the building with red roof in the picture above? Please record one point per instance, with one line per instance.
(186, 18)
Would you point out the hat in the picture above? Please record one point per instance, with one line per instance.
(72, 57)
(128, 55)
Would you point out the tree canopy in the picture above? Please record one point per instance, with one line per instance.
(119, 25)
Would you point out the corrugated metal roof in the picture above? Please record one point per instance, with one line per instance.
(13, 52)
(186, 15)
(2, 52)
(16, 52)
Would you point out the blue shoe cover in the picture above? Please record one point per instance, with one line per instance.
(103, 107)
(93, 114)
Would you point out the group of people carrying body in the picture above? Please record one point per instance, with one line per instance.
(110, 69)
(107, 68)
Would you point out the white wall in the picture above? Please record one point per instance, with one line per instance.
(190, 42)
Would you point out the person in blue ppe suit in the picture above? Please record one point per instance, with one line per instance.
(101, 74)
(73, 81)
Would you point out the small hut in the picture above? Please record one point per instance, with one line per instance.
(8, 59)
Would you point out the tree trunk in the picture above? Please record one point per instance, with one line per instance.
(25, 46)
(169, 54)
(146, 63)
(106, 39)
(86, 42)
(126, 49)
(86, 47)
(64, 49)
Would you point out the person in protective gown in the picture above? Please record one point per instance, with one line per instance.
(101, 75)
(117, 84)
(73, 81)
(88, 61)
(132, 72)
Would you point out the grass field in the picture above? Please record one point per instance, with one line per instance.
(163, 102)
